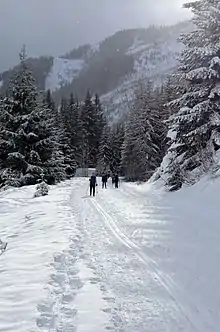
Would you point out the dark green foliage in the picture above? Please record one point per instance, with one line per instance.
(40, 141)
(92, 123)
(105, 151)
(67, 133)
(117, 139)
(110, 149)
(145, 132)
(26, 144)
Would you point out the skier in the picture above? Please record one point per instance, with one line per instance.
(116, 180)
(93, 184)
(104, 180)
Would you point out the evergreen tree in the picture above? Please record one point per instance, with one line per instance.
(105, 151)
(117, 139)
(128, 148)
(88, 131)
(26, 146)
(196, 126)
(67, 135)
(100, 123)
(49, 102)
(92, 122)
(74, 109)
(143, 135)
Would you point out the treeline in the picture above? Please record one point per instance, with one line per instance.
(180, 128)
(136, 148)
(172, 131)
(194, 127)
(145, 142)
(42, 141)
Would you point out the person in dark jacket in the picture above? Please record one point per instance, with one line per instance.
(116, 180)
(104, 180)
(93, 184)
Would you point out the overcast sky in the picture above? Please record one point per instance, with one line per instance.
(56, 26)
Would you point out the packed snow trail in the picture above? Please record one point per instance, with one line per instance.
(128, 260)
(153, 239)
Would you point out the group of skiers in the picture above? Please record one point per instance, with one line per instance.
(105, 177)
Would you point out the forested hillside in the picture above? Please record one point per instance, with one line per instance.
(111, 68)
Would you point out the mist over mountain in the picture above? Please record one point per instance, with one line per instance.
(111, 68)
(53, 26)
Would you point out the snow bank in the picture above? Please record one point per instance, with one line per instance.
(186, 245)
(63, 72)
(208, 185)
(35, 229)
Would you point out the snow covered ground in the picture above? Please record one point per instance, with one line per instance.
(135, 259)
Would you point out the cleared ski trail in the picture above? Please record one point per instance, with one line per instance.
(141, 252)
(125, 260)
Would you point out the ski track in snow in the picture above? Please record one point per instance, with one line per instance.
(121, 210)
(113, 262)
(128, 268)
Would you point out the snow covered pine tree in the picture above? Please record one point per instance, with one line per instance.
(105, 151)
(26, 145)
(67, 135)
(141, 148)
(196, 126)
(117, 139)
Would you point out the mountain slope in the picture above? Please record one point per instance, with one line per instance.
(112, 68)
(63, 71)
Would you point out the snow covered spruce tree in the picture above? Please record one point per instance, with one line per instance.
(74, 108)
(143, 134)
(100, 121)
(56, 167)
(110, 149)
(68, 134)
(92, 123)
(104, 157)
(88, 130)
(116, 140)
(26, 144)
(196, 127)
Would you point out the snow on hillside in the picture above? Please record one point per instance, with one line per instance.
(63, 72)
(157, 59)
(130, 259)
(153, 61)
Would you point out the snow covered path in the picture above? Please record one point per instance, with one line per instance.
(126, 260)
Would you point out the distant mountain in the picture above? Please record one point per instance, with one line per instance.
(112, 68)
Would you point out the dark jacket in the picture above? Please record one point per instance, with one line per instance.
(104, 178)
(92, 180)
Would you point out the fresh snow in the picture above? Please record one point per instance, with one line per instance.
(63, 71)
(138, 46)
(133, 259)
(153, 61)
